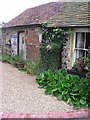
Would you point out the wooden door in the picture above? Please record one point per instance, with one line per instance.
(22, 46)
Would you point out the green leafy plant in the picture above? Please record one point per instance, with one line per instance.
(88, 74)
(16, 59)
(51, 46)
(22, 69)
(65, 87)
(31, 67)
(80, 64)
(6, 58)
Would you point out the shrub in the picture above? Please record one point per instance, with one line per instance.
(6, 58)
(17, 58)
(51, 46)
(65, 87)
(31, 67)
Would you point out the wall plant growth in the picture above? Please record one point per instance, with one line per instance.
(51, 46)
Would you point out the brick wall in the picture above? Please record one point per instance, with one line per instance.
(31, 39)
(32, 44)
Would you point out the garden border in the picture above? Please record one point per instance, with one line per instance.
(72, 114)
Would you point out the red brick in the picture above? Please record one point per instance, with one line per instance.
(74, 114)
(22, 115)
(27, 116)
(33, 116)
(5, 115)
(1, 115)
(13, 115)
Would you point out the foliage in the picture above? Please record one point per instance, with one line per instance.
(31, 67)
(17, 58)
(52, 41)
(88, 74)
(65, 87)
(80, 64)
(22, 69)
(88, 58)
(6, 58)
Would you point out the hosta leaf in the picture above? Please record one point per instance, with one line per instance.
(82, 101)
(69, 100)
(64, 92)
(76, 107)
(74, 98)
(59, 89)
(42, 75)
(75, 89)
(59, 97)
(85, 106)
(48, 92)
(40, 86)
(76, 102)
(84, 98)
(75, 94)
(54, 90)
(65, 98)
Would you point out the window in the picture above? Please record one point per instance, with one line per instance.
(81, 44)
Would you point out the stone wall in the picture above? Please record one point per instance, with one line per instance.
(67, 52)
(31, 39)
(33, 45)
(0, 37)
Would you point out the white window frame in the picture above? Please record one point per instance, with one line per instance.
(74, 48)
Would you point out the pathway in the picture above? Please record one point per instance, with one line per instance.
(20, 94)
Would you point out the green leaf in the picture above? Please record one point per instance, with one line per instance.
(42, 75)
(85, 106)
(75, 89)
(54, 90)
(69, 100)
(74, 98)
(75, 107)
(40, 86)
(82, 101)
(74, 94)
(59, 97)
(64, 92)
(48, 92)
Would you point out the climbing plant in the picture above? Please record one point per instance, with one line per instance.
(51, 46)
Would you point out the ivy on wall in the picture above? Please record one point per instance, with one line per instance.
(51, 46)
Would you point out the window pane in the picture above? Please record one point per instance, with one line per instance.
(87, 40)
(80, 40)
(80, 53)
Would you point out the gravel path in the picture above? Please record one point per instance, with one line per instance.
(19, 93)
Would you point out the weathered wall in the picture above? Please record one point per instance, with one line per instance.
(31, 39)
(67, 53)
(33, 45)
(0, 37)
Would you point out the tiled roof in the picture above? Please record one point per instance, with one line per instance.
(73, 14)
(36, 15)
(58, 13)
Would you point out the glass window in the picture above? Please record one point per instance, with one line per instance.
(82, 42)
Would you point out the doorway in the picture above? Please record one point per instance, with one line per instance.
(22, 46)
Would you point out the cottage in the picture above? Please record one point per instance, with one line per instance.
(23, 34)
